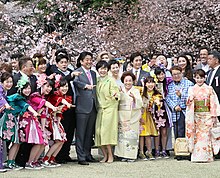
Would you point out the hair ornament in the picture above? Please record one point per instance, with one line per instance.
(146, 68)
(22, 82)
(41, 80)
(154, 76)
(57, 80)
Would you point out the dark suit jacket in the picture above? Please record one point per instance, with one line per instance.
(85, 99)
(142, 76)
(16, 77)
(216, 83)
(68, 78)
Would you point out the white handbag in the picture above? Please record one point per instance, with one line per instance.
(215, 131)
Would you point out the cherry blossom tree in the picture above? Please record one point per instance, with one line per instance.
(121, 27)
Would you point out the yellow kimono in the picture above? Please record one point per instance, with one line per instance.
(147, 123)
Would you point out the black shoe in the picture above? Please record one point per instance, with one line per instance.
(92, 160)
(61, 161)
(68, 159)
(83, 163)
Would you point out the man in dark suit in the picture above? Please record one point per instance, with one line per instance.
(61, 67)
(85, 108)
(26, 69)
(136, 60)
(213, 78)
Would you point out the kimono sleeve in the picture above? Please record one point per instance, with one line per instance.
(138, 102)
(2, 99)
(114, 90)
(23, 105)
(37, 100)
(214, 103)
(190, 123)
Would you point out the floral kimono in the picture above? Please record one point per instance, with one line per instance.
(203, 107)
(10, 118)
(128, 128)
(55, 127)
(30, 127)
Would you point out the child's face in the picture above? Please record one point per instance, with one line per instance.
(27, 91)
(42, 68)
(150, 86)
(7, 84)
(63, 90)
(46, 89)
(199, 80)
(161, 76)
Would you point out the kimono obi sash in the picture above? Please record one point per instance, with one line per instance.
(124, 107)
(202, 105)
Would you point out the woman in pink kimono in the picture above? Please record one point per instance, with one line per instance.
(201, 115)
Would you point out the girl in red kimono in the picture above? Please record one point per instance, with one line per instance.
(63, 102)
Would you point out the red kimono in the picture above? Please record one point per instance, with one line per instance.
(55, 126)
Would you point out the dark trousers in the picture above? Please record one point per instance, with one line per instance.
(179, 130)
(85, 126)
(69, 124)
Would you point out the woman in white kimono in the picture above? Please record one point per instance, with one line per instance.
(201, 115)
(129, 116)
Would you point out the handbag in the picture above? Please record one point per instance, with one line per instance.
(215, 131)
(181, 147)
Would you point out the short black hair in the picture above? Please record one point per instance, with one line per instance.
(200, 72)
(216, 55)
(23, 61)
(134, 55)
(112, 62)
(101, 64)
(82, 57)
(127, 73)
(5, 76)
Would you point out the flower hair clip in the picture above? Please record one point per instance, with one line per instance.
(57, 80)
(152, 74)
(22, 82)
(41, 80)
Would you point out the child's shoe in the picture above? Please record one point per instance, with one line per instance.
(150, 156)
(157, 155)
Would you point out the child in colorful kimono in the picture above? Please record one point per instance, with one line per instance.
(63, 102)
(6, 84)
(36, 130)
(10, 118)
(151, 117)
(165, 125)
(201, 116)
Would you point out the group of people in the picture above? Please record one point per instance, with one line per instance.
(127, 110)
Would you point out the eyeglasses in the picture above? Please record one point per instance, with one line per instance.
(177, 74)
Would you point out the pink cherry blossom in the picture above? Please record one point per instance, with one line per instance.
(26, 115)
(23, 123)
(7, 134)
(10, 124)
(160, 122)
(22, 136)
(10, 116)
(160, 112)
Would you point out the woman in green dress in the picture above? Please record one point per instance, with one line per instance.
(107, 119)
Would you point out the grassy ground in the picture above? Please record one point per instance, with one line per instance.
(169, 168)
